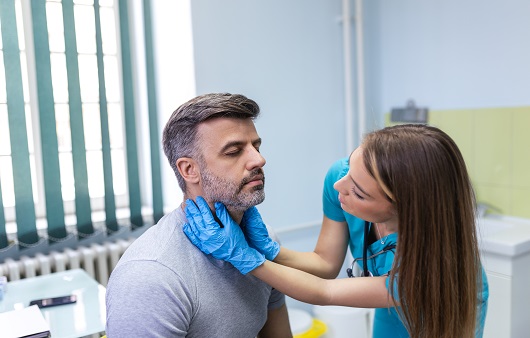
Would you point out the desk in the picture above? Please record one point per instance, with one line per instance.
(85, 317)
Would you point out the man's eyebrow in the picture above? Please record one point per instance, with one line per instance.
(231, 144)
(361, 189)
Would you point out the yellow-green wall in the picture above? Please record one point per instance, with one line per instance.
(495, 143)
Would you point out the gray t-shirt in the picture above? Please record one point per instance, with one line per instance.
(163, 286)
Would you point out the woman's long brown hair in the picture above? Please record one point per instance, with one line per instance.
(436, 277)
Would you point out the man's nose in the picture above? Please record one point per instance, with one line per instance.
(256, 160)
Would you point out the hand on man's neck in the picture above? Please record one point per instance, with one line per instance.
(236, 215)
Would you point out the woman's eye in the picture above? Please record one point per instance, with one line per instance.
(356, 194)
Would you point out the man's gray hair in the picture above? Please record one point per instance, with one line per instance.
(180, 133)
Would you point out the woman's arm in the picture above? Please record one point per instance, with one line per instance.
(369, 292)
(327, 258)
(228, 243)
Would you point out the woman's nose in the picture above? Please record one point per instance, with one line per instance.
(339, 185)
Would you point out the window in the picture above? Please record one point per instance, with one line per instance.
(89, 91)
(72, 144)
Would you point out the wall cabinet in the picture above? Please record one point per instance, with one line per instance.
(505, 247)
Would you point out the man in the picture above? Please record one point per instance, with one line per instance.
(163, 286)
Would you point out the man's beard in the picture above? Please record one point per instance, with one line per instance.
(231, 194)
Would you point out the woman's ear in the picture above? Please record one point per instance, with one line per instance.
(189, 169)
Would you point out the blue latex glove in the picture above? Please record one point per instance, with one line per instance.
(225, 243)
(257, 234)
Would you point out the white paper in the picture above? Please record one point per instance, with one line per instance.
(24, 322)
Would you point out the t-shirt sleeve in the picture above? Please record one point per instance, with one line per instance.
(277, 299)
(330, 196)
(141, 304)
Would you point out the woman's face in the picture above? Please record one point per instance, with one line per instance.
(361, 195)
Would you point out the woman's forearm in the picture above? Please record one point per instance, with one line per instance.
(367, 292)
(309, 262)
(297, 284)
(328, 256)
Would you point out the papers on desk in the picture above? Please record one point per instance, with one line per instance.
(27, 322)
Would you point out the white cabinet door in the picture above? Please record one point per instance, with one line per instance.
(498, 318)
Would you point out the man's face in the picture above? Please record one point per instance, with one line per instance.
(231, 165)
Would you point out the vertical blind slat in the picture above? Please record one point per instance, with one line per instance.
(82, 197)
(25, 208)
(3, 234)
(156, 175)
(130, 120)
(50, 151)
(110, 203)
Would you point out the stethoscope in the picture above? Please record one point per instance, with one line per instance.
(365, 258)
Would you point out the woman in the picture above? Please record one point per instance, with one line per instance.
(409, 180)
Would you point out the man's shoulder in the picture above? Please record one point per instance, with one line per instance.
(160, 255)
(155, 242)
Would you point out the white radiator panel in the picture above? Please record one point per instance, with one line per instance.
(98, 260)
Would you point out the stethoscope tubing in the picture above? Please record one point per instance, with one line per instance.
(366, 272)
(367, 226)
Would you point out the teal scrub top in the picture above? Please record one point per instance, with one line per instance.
(386, 321)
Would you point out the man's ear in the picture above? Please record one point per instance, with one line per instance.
(189, 169)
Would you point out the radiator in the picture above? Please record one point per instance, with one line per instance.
(97, 260)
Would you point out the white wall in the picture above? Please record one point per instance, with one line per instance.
(174, 68)
(448, 54)
(286, 55)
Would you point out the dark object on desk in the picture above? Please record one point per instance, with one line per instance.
(46, 334)
(48, 302)
(409, 114)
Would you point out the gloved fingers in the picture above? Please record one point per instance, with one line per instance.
(193, 213)
(189, 230)
(222, 214)
(254, 223)
(206, 233)
(257, 234)
(196, 232)
(199, 213)
(252, 216)
(206, 213)
(206, 238)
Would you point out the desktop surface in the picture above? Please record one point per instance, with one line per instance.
(84, 317)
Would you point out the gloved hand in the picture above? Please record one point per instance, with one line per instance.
(227, 243)
(257, 234)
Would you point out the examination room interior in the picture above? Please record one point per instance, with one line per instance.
(325, 72)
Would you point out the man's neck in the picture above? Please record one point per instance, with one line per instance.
(236, 215)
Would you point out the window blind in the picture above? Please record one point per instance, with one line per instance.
(82, 197)
(24, 207)
(27, 235)
(156, 183)
(110, 203)
(130, 120)
(46, 106)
